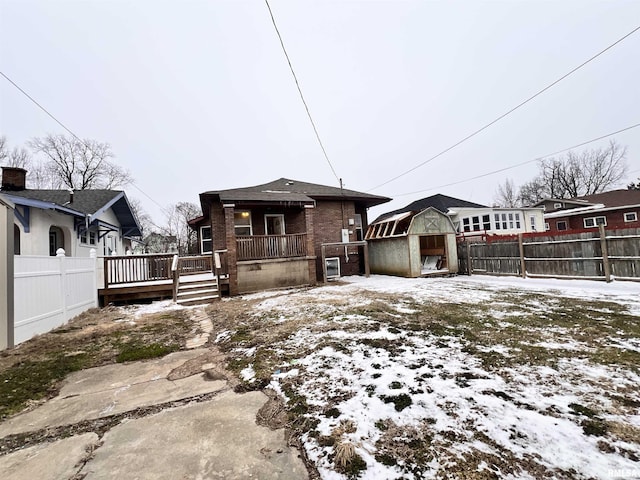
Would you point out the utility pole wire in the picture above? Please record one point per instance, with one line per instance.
(522, 163)
(166, 212)
(273, 20)
(508, 112)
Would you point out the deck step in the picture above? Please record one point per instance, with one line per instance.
(198, 291)
(197, 301)
(209, 292)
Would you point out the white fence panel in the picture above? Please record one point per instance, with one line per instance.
(49, 291)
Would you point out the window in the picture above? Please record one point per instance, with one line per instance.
(89, 237)
(109, 247)
(332, 266)
(497, 219)
(475, 223)
(206, 244)
(486, 222)
(591, 222)
(358, 226)
(16, 239)
(504, 221)
(56, 240)
(557, 205)
(546, 226)
(517, 220)
(532, 221)
(465, 224)
(511, 221)
(631, 217)
(242, 223)
(562, 225)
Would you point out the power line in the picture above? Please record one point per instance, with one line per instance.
(273, 20)
(509, 111)
(71, 132)
(521, 163)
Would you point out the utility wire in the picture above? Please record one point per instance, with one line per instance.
(166, 212)
(521, 163)
(509, 111)
(273, 20)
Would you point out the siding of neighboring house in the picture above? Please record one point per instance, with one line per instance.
(615, 219)
(516, 220)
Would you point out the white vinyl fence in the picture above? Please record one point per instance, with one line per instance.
(49, 291)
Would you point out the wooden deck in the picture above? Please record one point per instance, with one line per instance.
(131, 293)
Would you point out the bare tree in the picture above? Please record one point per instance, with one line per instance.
(80, 165)
(585, 173)
(18, 157)
(178, 216)
(507, 195)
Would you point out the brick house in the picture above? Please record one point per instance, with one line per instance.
(272, 235)
(615, 209)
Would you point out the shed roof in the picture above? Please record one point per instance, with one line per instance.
(440, 202)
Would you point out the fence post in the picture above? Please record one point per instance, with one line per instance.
(7, 275)
(469, 263)
(60, 253)
(605, 254)
(523, 269)
(93, 254)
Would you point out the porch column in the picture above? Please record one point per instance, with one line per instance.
(232, 246)
(311, 247)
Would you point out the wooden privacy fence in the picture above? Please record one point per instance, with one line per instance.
(597, 255)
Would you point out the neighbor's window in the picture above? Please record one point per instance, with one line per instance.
(358, 226)
(517, 220)
(631, 217)
(475, 223)
(88, 237)
(242, 223)
(511, 221)
(206, 245)
(497, 220)
(504, 221)
(466, 224)
(532, 220)
(486, 222)
(546, 226)
(557, 205)
(591, 222)
(561, 225)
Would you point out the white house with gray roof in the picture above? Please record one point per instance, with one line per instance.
(77, 221)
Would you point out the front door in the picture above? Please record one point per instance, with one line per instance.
(274, 224)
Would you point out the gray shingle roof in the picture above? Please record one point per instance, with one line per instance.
(440, 202)
(84, 201)
(287, 190)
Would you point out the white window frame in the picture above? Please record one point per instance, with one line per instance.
(274, 215)
(547, 226)
(89, 237)
(532, 222)
(496, 217)
(631, 217)
(334, 261)
(203, 239)
(592, 222)
(557, 205)
(237, 226)
(566, 226)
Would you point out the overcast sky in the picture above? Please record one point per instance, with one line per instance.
(197, 95)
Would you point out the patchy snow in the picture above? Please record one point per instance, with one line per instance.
(139, 310)
(248, 374)
(521, 420)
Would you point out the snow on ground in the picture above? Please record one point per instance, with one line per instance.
(514, 386)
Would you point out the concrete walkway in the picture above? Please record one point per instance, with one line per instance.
(173, 417)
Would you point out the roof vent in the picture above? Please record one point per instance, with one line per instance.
(289, 182)
(13, 179)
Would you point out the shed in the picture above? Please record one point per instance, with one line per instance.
(413, 244)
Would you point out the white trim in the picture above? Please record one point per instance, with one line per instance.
(202, 240)
(274, 215)
(634, 219)
(595, 221)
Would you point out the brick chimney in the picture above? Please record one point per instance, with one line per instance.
(13, 179)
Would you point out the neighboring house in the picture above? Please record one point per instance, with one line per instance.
(159, 243)
(273, 234)
(411, 244)
(614, 209)
(77, 221)
(472, 219)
